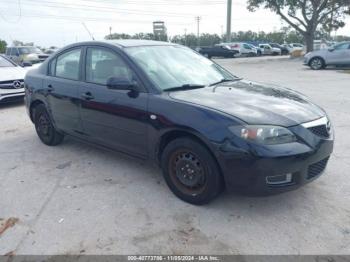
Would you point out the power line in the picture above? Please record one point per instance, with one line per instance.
(19, 16)
(79, 19)
(203, 2)
(93, 8)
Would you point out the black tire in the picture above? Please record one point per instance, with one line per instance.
(191, 172)
(317, 63)
(44, 127)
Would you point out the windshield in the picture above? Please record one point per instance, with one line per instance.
(5, 63)
(29, 50)
(175, 66)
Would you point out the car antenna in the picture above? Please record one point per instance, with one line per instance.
(87, 29)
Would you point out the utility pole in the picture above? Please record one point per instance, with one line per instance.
(110, 32)
(185, 36)
(198, 19)
(228, 26)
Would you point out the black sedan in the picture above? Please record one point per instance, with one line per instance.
(284, 50)
(218, 51)
(205, 127)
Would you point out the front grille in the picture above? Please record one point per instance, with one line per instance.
(320, 131)
(317, 168)
(9, 84)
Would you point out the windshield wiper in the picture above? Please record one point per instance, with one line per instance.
(184, 87)
(225, 80)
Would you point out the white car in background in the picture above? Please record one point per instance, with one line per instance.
(294, 46)
(11, 81)
(267, 49)
(244, 49)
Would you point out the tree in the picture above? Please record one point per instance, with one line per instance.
(306, 16)
(3, 46)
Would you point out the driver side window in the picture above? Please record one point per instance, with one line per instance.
(102, 64)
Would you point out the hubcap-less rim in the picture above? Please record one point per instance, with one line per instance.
(316, 63)
(187, 172)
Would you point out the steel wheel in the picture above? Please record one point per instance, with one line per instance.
(187, 172)
(190, 171)
(44, 127)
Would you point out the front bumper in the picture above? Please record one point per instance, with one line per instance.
(306, 61)
(252, 171)
(11, 95)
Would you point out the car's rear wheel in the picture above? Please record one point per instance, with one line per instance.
(191, 172)
(317, 63)
(44, 127)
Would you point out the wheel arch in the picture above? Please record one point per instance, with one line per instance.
(171, 135)
(32, 107)
(320, 57)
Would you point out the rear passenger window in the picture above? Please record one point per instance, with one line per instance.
(67, 65)
(102, 64)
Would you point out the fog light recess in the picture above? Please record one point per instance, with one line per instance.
(279, 180)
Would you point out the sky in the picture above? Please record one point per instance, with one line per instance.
(60, 22)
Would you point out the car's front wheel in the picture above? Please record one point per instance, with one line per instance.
(191, 172)
(44, 127)
(317, 63)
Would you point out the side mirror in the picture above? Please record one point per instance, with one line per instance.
(120, 84)
(331, 49)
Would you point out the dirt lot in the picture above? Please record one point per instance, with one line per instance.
(76, 198)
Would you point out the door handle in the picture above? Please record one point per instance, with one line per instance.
(87, 96)
(50, 88)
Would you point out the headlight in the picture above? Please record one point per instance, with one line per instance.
(267, 135)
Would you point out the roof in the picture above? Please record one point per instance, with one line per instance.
(135, 42)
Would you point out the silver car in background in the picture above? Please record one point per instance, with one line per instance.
(11, 81)
(243, 49)
(336, 55)
(26, 55)
(267, 49)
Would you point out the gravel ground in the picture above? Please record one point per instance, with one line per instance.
(79, 199)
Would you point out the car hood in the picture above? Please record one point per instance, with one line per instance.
(11, 73)
(254, 103)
